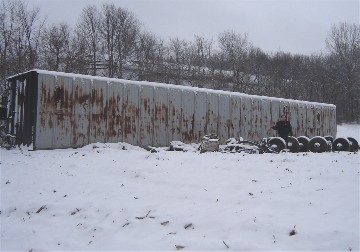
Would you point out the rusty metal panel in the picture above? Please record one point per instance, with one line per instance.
(63, 93)
(98, 115)
(45, 111)
(224, 118)
(115, 99)
(275, 115)
(265, 118)
(329, 120)
(246, 117)
(82, 100)
(332, 121)
(212, 113)
(235, 109)
(256, 122)
(310, 120)
(161, 117)
(301, 120)
(146, 115)
(131, 113)
(325, 120)
(318, 120)
(175, 114)
(188, 116)
(293, 117)
(200, 125)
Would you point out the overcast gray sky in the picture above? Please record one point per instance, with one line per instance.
(296, 26)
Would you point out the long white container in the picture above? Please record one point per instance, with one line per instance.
(61, 110)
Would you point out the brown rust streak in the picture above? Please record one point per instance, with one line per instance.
(132, 113)
(114, 117)
(81, 101)
(165, 114)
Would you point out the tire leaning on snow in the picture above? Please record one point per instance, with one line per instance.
(276, 144)
(354, 145)
(293, 144)
(318, 144)
(341, 144)
(303, 143)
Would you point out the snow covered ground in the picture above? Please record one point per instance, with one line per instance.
(121, 197)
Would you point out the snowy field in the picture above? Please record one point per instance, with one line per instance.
(120, 197)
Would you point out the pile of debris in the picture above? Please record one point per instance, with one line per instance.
(318, 144)
(180, 146)
(244, 146)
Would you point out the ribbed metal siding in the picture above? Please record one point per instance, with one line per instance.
(75, 110)
(81, 118)
(161, 118)
(45, 123)
(146, 111)
(235, 117)
(175, 114)
(301, 120)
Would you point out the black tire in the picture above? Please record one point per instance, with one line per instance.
(341, 144)
(293, 144)
(276, 144)
(303, 143)
(354, 145)
(318, 144)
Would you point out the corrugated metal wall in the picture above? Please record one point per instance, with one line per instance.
(75, 110)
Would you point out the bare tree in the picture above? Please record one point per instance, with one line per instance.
(109, 24)
(149, 56)
(77, 60)
(314, 82)
(343, 44)
(20, 28)
(178, 59)
(125, 39)
(200, 53)
(27, 34)
(235, 48)
(55, 49)
(259, 63)
(88, 31)
(6, 34)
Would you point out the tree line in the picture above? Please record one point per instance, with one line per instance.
(110, 41)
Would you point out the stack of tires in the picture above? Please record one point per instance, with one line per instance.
(316, 144)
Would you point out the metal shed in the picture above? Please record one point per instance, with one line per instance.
(51, 110)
